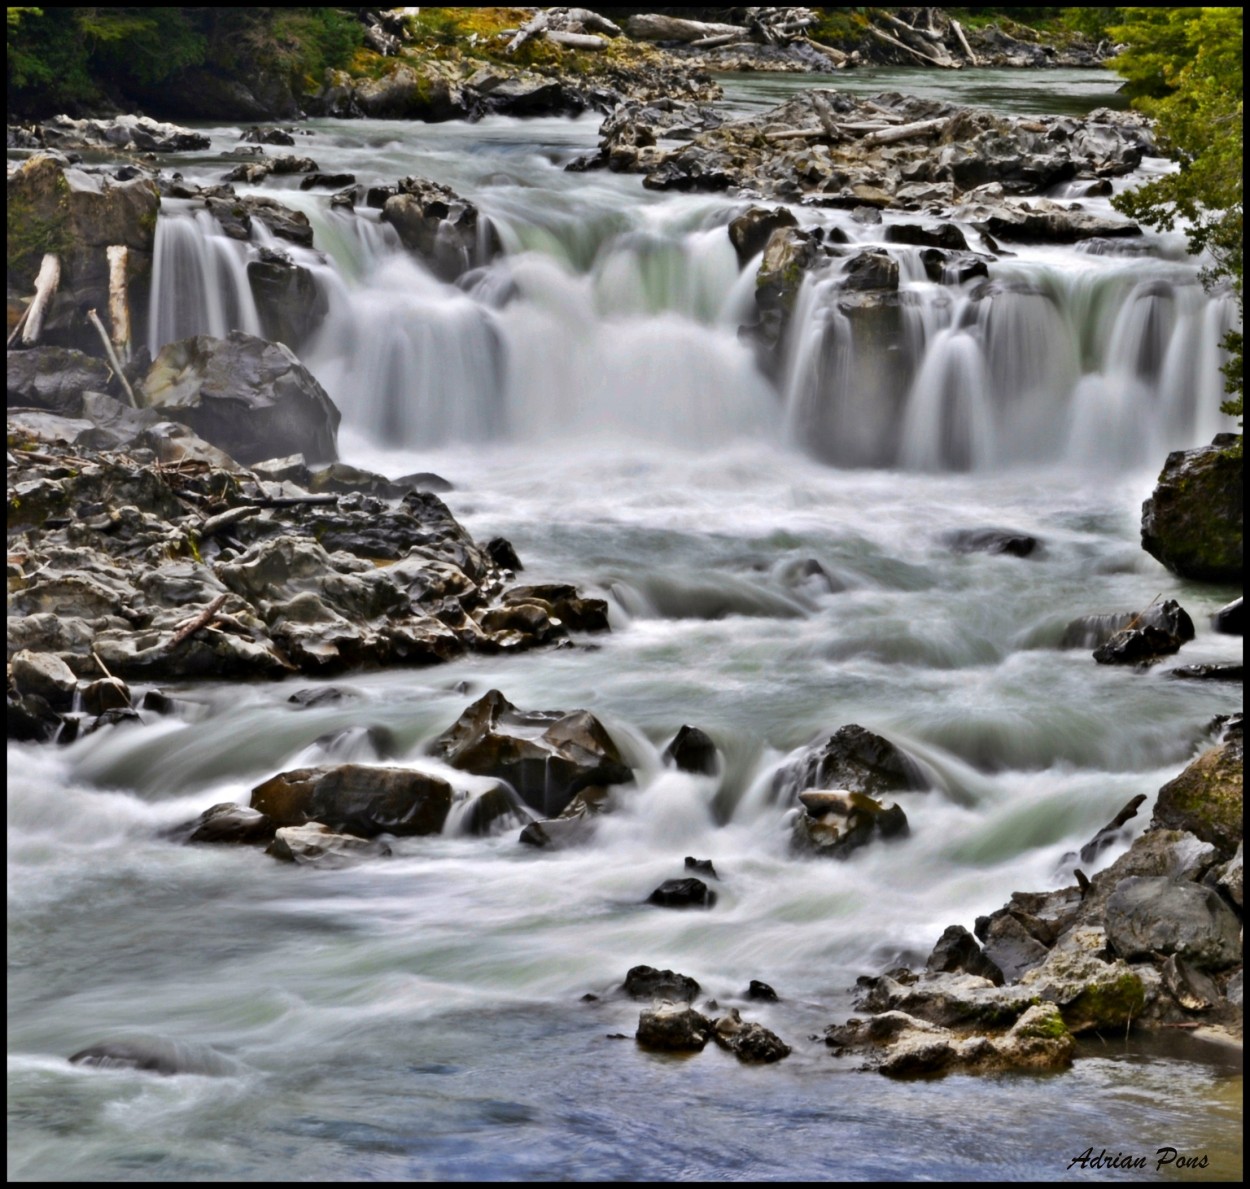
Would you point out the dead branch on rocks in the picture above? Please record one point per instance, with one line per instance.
(202, 620)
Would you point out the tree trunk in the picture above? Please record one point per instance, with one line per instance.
(119, 307)
(576, 41)
(45, 286)
(655, 27)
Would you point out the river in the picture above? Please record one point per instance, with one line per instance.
(776, 563)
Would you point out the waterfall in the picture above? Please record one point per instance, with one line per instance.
(625, 323)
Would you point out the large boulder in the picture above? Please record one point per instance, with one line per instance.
(356, 798)
(1156, 915)
(442, 228)
(54, 378)
(1193, 521)
(838, 822)
(77, 216)
(1206, 798)
(251, 398)
(853, 760)
(290, 305)
(548, 756)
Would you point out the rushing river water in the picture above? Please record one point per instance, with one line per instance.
(588, 395)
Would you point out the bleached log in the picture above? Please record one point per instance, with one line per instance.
(114, 362)
(836, 56)
(17, 329)
(656, 27)
(837, 132)
(202, 620)
(711, 43)
(46, 281)
(575, 41)
(905, 131)
(963, 41)
(531, 28)
(119, 307)
(592, 20)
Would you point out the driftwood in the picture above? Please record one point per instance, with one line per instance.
(946, 63)
(119, 307)
(575, 41)
(963, 41)
(711, 43)
(825, 114)
(656, 27)
(836, 56)
(531, 28)
(224, 520)
(905, 131)
(584, 19)
(18, 326)
(114, 362)
(286, 501)
(45, 286)
(202, 620)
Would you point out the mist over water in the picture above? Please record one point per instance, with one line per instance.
(774, 552)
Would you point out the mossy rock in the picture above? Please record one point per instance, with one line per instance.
(1193, 521)
(1206, 798)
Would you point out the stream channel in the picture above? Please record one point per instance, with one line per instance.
(421, 1017)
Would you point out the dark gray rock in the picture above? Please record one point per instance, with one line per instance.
(751, 230)
(691, 750)
(646, 982)
(852, 759)
(957, 951)
(672, 1027)
(1149, 915)
(232, 823)
(55, 378)
(442, 228)
(991, 540)
(748, 1041)
(1228, 619)
(683, 893)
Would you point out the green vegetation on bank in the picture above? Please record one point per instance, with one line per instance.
(78, 59)
(1184, 68)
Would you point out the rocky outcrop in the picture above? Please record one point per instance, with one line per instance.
(1206, 798)
(77, 216)
(547, 756)
(124, 133)
(442, 228)
(249, 397)
(1193, 521)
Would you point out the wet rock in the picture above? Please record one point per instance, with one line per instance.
(290, 305)
(54, 378)
(108, 693)
(1227, 620)
(945, 235)
(853, 759)
(1093, 990)
(326, 695)
(356, 798)
(496, 809)
(957, 951)
(237, 213)
(315, 844)
(690, 750)
(953, 268)
(748, 1041)
(762, 992)
(327, 181)
(683, 893)
(834, 823)
(1022, 224)
(991, 540)
(253, 399)
(442, 228)
(547, 756)
(562, 602)
(1009, 945)
(558, 833)
(359, 743)
(949, 1000)
(156, 1055)
(503, 555)
(1136, 646)
(646, 982)
(1146, 916)
(1228, 877)
(789, 254)
(45, 676)
(278, 136)
(1193, 521)
(870, 271)
(671, 1027)
(1216, 672)
(1206, 798)
(1191, 989)
(1109, 835)
(128, 133)
(751, 231)
(702, 866)
(231, 823)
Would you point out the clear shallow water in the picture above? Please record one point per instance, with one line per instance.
(421, 1018)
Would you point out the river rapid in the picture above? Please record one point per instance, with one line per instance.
(776, 564)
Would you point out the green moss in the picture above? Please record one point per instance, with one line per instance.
(1049, 1027)
(1107, 1005)
(30, 236)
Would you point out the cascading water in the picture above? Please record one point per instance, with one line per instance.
(590, 398)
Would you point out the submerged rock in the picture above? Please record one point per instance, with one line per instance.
(691, 750)
(155, 1054)
(315, 844)
(683, 893)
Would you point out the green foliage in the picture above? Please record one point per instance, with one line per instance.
(1185, 67)
(1094, 23)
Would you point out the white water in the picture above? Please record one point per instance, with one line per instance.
(419, 1018)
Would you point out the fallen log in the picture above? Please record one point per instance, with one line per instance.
(905, 131)
(655, 27)
(836, 56)
(595, 21)
(226, 519)
(46, 281)
(119, 308)
(286, 501)
(531, 28)
(973, 60)
(947, 64)
(575, 41)
(711, 43)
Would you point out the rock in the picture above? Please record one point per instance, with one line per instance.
(1055, 225)
(442, 228)
(327, 181)
(1206, 798)
(751, 230)
(945, 235)
(690, 750)
(669, 1026)
(1009, 946)
(1146, 916)
(290, 305)
(1191, 989)
(749, 1042)
(991, 540)
(957, 951)
(949, 1000)
(253, 399)
(236, 214)
(359, 743)
(702, 866)
(232, 823)
(129, 133)
(1135, 646)
(55, 378)
(492, 811)
(1228, 877)
(156, 1055)
(870, 271)
(683, 893)
(645, 982)
(356, 798)
(1226, 620)
(1216, 672)
(558, 833)
(503, 555)
(789, 254)
(837, 822)
(77, 216)
(279, 136)
(46, 676)
(326, 695)
(316, 844)
(109, 693)
(953, 268)
(1092, 991)
(562, 603)
(546, 756)
(762, 992)
(1193, 521)
(852, 759)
